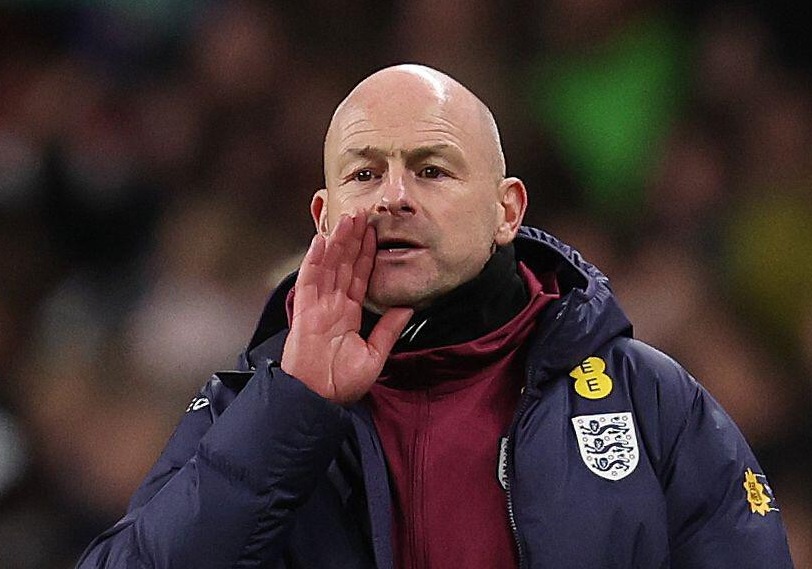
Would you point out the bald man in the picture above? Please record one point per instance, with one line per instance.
(439, 386)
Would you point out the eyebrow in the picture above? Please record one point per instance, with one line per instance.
(448, 151)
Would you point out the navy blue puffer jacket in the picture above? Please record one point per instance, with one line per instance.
(616, 458)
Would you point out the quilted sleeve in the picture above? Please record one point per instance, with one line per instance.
(721, 509)
(225, 489)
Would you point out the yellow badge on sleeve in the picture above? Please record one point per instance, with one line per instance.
(758, 493)
(590, 380)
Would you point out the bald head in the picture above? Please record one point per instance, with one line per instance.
(420, 155)
(404, 91)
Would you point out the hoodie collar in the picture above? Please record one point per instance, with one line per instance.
(470, 311)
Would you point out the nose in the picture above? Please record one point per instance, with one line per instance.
(394, 198)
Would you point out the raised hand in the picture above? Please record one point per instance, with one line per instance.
(324, 349)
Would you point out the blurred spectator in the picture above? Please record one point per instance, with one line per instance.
(204, 290)
(607, 88)
(13, 450)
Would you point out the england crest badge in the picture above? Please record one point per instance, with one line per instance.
(608, 443)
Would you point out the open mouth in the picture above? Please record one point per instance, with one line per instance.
(397, 247)
(392, 245)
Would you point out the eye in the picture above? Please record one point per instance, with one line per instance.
(364, 175)
(431, 172)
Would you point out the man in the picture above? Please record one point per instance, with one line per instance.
(444, 388)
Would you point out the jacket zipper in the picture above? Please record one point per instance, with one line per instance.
(525, 401)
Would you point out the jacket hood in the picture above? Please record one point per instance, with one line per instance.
(587, 315)
(572, 328)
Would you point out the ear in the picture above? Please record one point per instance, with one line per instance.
(512, 207)
(318, 210)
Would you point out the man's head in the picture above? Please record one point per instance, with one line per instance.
(421, 155)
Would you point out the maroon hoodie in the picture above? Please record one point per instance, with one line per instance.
(440, 413)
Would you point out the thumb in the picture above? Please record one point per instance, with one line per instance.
(387, 330)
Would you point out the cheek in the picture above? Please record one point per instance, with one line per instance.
(476, 225)
(346, 203)
(469, 242)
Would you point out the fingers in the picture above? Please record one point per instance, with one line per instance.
(314, 256)
(335, 250)
(346, 270)
(362, 268)
(341, 252)
(341, 262)
(387, 331)
(310, 271)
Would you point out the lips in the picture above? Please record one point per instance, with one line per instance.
(397, 249)
(397, 244)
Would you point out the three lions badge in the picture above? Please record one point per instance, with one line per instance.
(608, 444)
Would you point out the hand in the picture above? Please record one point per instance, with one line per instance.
(323, 349)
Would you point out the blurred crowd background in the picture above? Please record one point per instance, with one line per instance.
(157, 160)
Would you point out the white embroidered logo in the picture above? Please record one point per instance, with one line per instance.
(197, 403)
(608, 443)
(412, 330)
(501, 467)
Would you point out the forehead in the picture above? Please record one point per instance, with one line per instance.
(395, 132)
(400, 119)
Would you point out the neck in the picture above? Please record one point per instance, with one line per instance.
(473, 309)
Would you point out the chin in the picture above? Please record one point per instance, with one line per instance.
(380, 301)
(413, 287)
(379, 298)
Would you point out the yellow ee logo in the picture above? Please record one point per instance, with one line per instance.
(590, 381)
